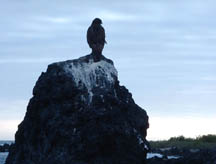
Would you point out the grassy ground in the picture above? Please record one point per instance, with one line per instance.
(202, 142)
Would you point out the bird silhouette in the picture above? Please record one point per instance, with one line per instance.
(96, 38)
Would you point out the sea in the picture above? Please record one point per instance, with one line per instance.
(3, 155)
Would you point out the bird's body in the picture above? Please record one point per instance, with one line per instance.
(96, 38)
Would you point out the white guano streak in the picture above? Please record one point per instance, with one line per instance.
(86, 73)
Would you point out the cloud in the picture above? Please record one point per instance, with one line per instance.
(29, 60)
(114, 16)
(12, 109)
(168, 47)
(165, 127)
(167, 26)
(209, 78)
(209, 90)
(63, 20)
(8, 129)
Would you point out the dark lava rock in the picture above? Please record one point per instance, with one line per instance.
(79, 114)
(4, 148)
(203, 156)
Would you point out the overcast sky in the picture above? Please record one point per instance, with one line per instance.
(164, 52)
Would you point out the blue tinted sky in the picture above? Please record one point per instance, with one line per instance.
(164, 52)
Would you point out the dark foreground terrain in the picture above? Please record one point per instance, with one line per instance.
(183, 156)
(177, 150)
(181, 150)
(4, 147)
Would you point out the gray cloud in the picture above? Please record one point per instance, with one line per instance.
(170, 26)
(167, 46)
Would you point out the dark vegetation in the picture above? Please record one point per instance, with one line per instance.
(201, 142)
(200, 150)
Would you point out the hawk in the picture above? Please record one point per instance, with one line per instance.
(96, 38)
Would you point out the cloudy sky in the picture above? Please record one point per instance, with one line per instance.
(164, 52)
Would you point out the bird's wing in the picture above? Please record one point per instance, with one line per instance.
(103, 35)
(89, 35)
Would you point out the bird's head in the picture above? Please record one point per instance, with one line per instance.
(97, 21)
